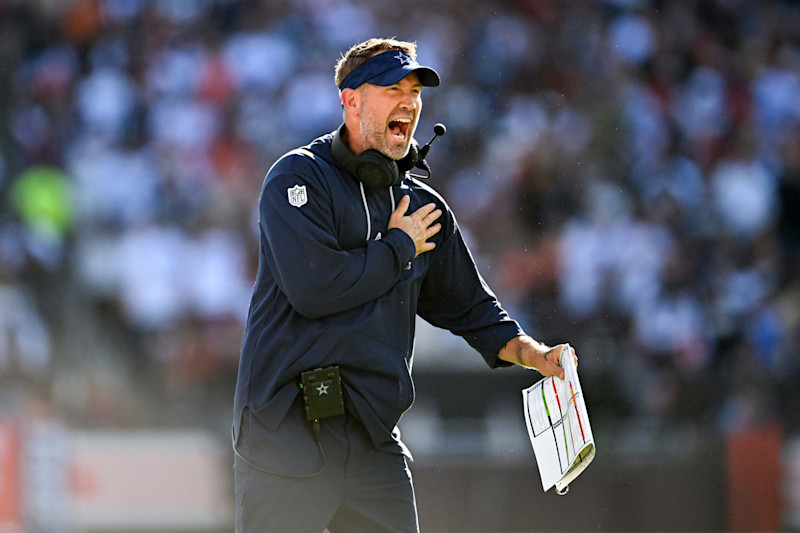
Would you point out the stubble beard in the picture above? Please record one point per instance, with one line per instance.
(374, 133)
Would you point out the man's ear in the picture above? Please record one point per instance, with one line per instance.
(350, 100)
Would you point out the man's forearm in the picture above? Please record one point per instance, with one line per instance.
(530, 353)
(521, 349)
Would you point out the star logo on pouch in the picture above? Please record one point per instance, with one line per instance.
(322, 388)
(403, 58)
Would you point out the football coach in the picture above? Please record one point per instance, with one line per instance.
(352, 248)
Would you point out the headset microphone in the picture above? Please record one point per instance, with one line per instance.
(438, 130)
(374, 169)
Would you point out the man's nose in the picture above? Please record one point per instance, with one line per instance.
(409, 101)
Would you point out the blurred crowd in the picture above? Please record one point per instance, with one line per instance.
(627, 173)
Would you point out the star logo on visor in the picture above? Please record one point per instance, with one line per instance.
(403, 58)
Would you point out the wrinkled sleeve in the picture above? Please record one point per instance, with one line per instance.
(318, 277)
(455, 297)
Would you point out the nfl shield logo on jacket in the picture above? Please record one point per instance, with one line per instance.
(297, 195)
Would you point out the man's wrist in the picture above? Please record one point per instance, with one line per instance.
(522, 350)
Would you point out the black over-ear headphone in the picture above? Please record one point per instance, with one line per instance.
(371, 167)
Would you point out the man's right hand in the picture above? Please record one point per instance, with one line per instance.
(418, 224)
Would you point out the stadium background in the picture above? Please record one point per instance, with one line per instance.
(627, 173)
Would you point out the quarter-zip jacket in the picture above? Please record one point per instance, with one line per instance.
(335, 286)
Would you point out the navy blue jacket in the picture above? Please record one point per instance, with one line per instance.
(334, 288)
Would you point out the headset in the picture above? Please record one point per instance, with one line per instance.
(371, 167)
(376, 170)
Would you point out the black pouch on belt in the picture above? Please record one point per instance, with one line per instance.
(322, 392)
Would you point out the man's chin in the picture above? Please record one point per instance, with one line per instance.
(397, 152)
(392, 148)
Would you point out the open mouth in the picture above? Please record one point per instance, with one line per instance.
(398, 128)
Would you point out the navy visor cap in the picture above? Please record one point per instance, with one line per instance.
(388, 68)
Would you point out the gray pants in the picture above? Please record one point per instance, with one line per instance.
(360, 489)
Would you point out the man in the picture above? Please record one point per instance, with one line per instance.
(352, 248)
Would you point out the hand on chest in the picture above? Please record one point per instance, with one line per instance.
(365, 214)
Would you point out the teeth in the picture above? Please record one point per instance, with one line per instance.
(402, 120)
